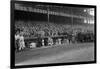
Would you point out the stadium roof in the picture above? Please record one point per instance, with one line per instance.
(76, 12)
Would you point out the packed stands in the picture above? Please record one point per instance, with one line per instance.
(57, 25)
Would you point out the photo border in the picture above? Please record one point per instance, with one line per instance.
(12, 31)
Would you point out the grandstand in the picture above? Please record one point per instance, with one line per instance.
(47, 33)
(38, 20)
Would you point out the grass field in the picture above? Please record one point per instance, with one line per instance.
(56, 54)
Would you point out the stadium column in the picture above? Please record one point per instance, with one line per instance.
(72, 17)
(48, 12)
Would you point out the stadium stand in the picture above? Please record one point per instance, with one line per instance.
(65, 24)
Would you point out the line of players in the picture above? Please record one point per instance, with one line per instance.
(48, 41)
(20, 42)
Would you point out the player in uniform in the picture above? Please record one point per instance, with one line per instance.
(17, 36)
(21, 42)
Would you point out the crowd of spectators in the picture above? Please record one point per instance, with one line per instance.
(35, 29)
(44, 34)
(44, 29)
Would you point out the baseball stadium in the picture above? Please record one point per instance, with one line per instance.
(46, 34)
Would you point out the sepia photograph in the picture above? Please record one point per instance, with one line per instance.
(52, 33)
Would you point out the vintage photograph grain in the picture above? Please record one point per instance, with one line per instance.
(49, 33)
